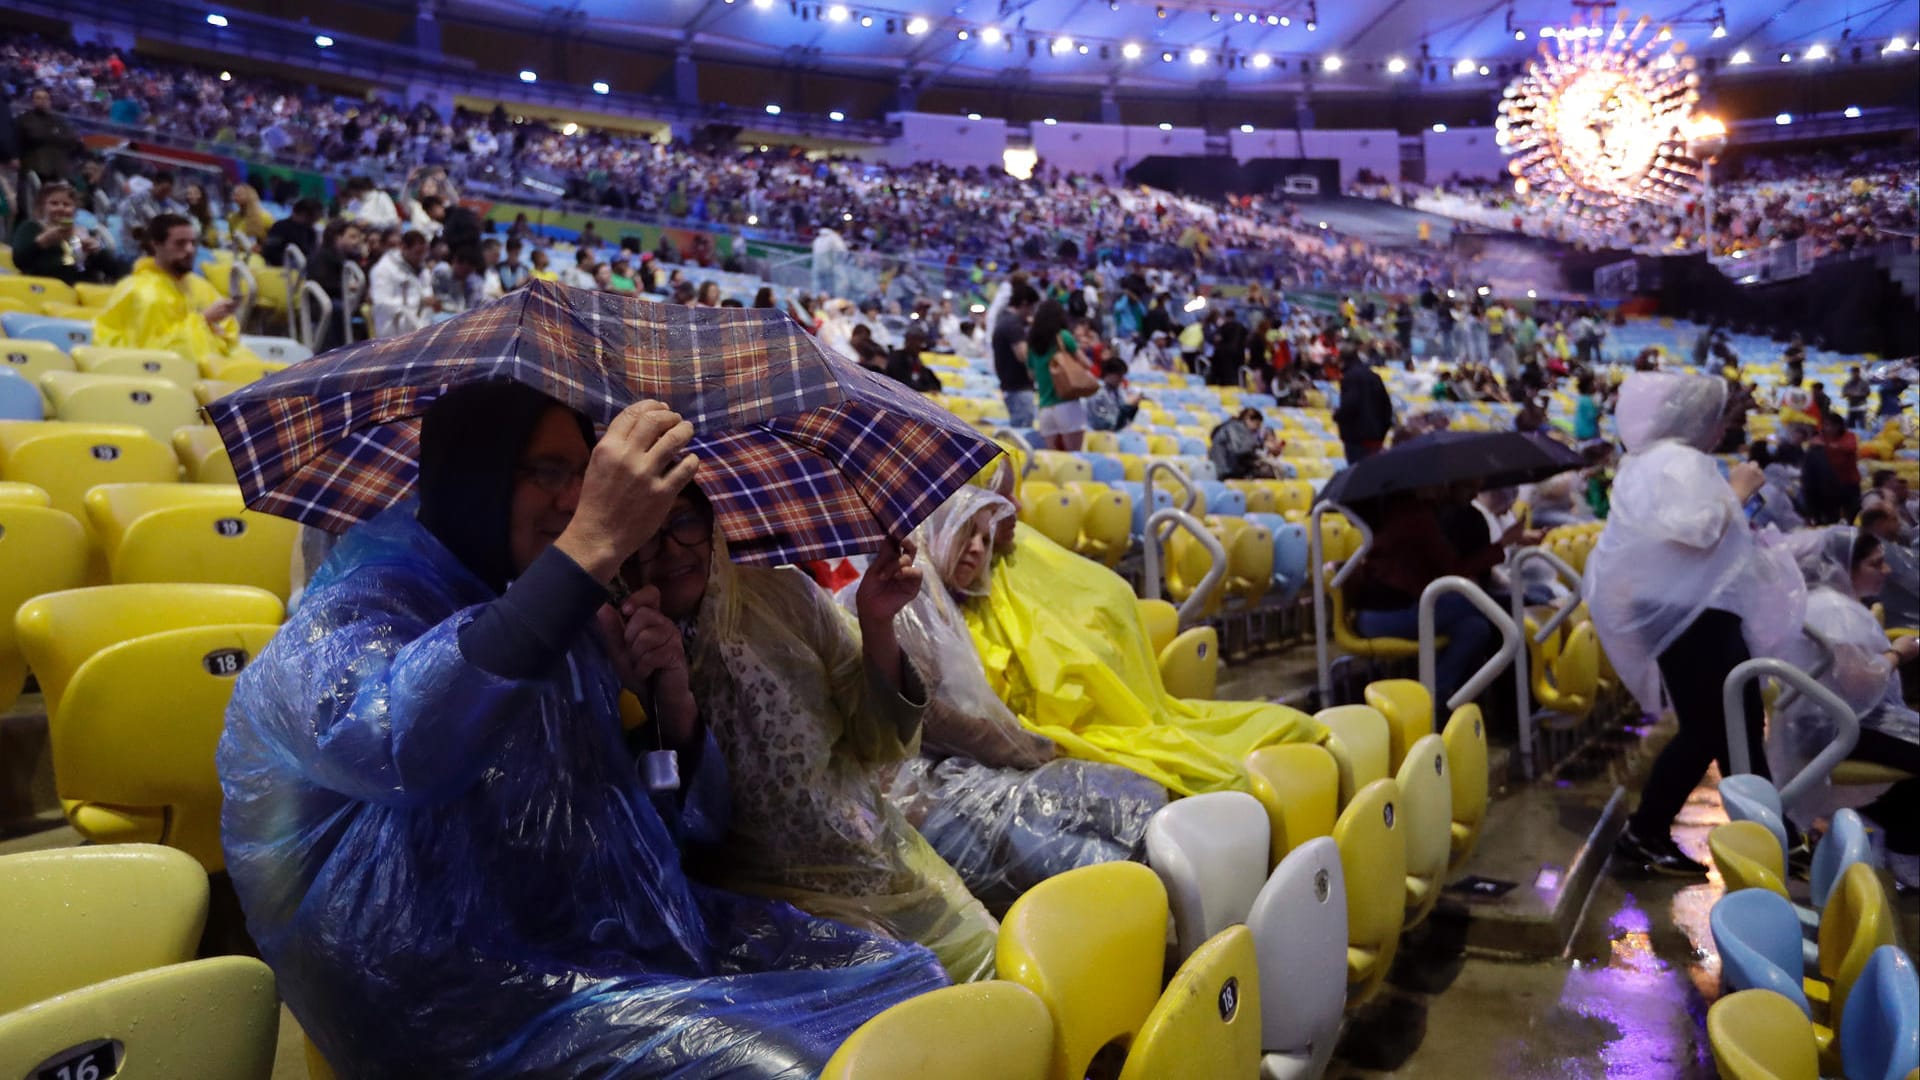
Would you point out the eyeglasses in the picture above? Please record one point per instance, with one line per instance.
(552, 477)
(688, 530)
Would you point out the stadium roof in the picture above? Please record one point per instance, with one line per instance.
(1169, 44)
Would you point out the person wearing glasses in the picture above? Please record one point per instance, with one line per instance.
(808, 711)
(443, 844)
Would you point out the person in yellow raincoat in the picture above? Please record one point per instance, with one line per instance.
(807, 714)
(163, 304)
(1063, 645)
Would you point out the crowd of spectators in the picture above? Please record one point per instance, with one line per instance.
(926, 213)
(1838, 202)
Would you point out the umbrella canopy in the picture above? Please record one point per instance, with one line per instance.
(1490, 458)
(803, 454)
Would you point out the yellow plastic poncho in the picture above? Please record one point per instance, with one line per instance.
(151, 309)
(1062, 642)
(807, 731)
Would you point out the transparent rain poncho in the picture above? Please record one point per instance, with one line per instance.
(1677, 542)
(1062, 644)
(1845, 648)
(809, 734)
(994, 799)
(455, 873)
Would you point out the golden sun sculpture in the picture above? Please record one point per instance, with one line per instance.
(1602, 119)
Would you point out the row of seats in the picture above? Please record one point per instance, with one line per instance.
(1287, 906)
(1848, 1004)
(98, 945)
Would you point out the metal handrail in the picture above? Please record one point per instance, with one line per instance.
(1196, 603)
(1740, 755)
(1522, 673)
(308, 328)
(353, 292)
(1317, 556)
(249, 290)
(1187, 485)
(1021, 443)
(1822, 645)
(1509, 639)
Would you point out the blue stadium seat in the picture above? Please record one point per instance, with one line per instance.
(1758, 936)
(1137, 491)
(1192, 447)
(19, 399)
(1133, 442)
(1106, 468)
(1880, 1032)
(1223, 500)
(66, 333)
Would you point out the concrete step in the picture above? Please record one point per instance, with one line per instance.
(1551, 839)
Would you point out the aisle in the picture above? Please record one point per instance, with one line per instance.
(1628, 1002)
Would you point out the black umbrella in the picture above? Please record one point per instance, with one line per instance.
(1492, 459)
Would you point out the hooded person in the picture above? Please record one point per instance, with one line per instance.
(997, 801)
(808, 710)
(1682, 590)
(438, 834)
(1062, 644)
(1843, 646)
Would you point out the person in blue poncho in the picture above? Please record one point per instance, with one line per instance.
(438, 832)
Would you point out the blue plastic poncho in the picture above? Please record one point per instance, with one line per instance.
(453, 873)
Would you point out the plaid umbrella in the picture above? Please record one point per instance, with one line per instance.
(803, 454)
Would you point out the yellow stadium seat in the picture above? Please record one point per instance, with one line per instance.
(1565, 675)
(32, 359)
(1162, 621)
(147, 363)
(239, 371)
(66, 459)
(94, 296)
(1190, 664)
(43, 551)
(208, 391)
(110, 508)
(317, 1067)
(30, 307)
(1761, 1035)
(1426, 796)
(1358, 740)
(1466, 739)
(18, 494)
(203, 455)
(1299, 784)
(272, 283)
(970, 1032)
(1748, 857)
(57, 310)
(1249, 563)
(1135, 467)
(6, 257)
(190, 532)
(212, 1019)
(1102, 442)
(120, 662)
(1292, 498)
(1207, 1024)
(1857, 920)
(1106, 532)
(1163, 446)
(37, 290)
(1090, 943)
(155, 405)
(1186, 564)
(1034, 487)
(1408, 711)
(1057, 515)
(1261, 496)
(1373, 858)
(77, 916)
